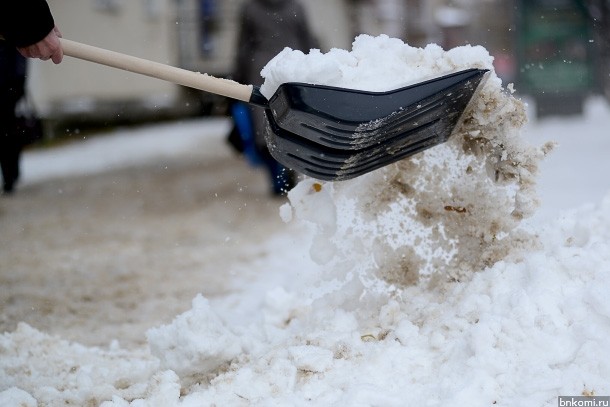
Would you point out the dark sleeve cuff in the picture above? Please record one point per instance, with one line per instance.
(25, 22)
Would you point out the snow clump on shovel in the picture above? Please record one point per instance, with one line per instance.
(441, 214)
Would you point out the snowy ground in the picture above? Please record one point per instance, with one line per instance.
(110, 237)
(156, 214)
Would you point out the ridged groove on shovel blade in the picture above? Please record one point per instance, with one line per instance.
(353, 119)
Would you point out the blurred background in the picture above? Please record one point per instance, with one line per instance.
(557, 52)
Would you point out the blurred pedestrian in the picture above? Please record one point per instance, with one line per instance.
(208, 16)
(28, 30)
(29, 26)
(266, 28)
(12, 88)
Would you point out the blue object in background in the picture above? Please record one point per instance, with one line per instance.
(243, 121)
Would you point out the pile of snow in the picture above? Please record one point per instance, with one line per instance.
(518, 333)
(429, 291)
(452, 209)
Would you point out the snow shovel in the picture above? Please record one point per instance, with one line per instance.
(326, 132)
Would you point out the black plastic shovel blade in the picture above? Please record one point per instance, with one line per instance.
(336, 134)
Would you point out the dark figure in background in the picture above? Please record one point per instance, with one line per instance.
(208, 15)
(28, 30)
(12, 88)
(266, 28)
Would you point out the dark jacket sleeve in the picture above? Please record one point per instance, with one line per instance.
(25, 22)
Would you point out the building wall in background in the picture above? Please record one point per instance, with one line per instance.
(144, 28)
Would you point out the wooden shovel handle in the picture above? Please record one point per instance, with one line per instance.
(157, 70)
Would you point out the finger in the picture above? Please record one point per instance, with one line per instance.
(57, 56)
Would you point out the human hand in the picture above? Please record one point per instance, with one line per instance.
(47, 48)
